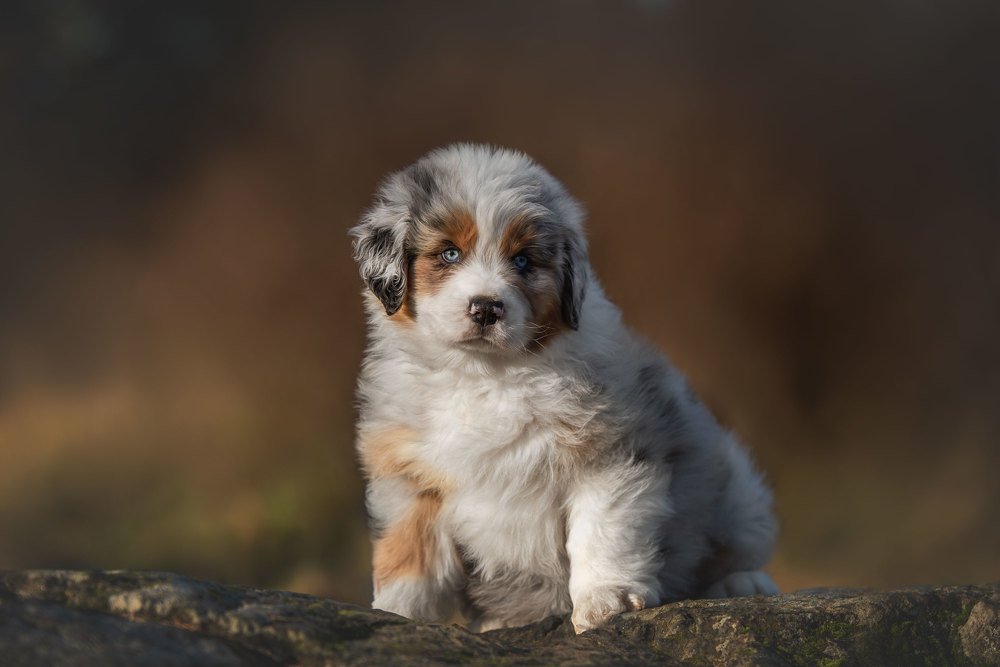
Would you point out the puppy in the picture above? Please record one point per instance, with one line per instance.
(526, 454)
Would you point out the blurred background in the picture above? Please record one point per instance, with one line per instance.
(799, 202)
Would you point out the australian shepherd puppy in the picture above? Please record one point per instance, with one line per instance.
(526, 454)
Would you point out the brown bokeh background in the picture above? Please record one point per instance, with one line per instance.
(797, 201)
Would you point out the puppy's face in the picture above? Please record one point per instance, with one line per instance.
(475, 249)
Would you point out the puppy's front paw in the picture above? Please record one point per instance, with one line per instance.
(593, 609)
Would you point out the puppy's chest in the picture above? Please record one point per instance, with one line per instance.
(505, 448)
(501, 532)
(500, 423)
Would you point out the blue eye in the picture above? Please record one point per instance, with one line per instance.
(520, 262)
(451, 255)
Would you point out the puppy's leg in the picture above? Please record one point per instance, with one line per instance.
(745, 532)
(614, 515)
(415, 568)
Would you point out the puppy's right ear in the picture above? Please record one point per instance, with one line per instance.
(381, 257)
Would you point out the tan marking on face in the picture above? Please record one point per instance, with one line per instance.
(428, 270)
(540, 287)
(517, 235)
(409, 546)
(404, 315)
(460, 228)
(546, 313)
(388, 453)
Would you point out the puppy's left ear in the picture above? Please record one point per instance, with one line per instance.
(574, 284)
(379, 252)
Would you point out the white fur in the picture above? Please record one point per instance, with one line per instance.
(582, 475)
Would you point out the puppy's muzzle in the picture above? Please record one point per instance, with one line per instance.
(485, 311)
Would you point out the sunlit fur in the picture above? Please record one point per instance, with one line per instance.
(550, 462)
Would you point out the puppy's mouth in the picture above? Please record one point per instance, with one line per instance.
(483, 338)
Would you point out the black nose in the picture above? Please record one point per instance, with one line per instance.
(485, 311)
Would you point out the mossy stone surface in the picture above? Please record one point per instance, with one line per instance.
(152, 618)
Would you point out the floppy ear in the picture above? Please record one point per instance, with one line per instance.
(574, 283)
(381, 258)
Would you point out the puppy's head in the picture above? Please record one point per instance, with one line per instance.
(477, 249)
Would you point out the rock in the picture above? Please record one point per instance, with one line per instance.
(149, 618)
